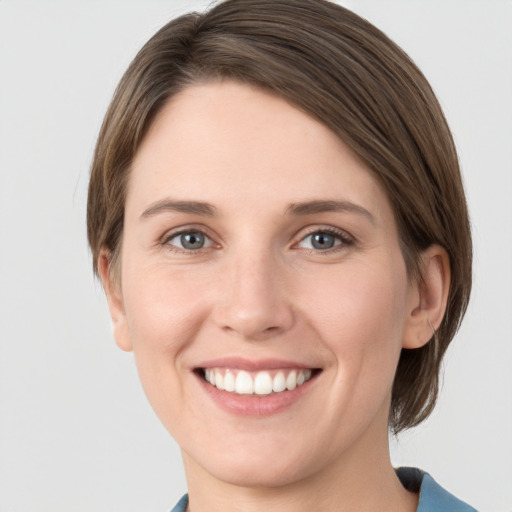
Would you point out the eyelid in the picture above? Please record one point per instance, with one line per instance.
(346, 238)
(182, 230)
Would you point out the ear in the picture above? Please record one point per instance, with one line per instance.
(428, 298)
(112, 286)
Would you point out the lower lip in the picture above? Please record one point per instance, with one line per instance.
(255, 405)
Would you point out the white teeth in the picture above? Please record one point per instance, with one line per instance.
(242, 382)
(279, 382)
(219, 380)
(209, 375)
(229, 381)
(244, 385)
(291, 380)
(263, 384)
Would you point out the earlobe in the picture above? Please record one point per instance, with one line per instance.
(112, 288)
(428, 298)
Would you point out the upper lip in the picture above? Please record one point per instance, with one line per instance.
(241, 363)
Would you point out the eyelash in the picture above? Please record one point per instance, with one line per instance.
(167, 238)
(344, 238)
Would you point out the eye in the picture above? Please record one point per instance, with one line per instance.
(323, 240)
(189, 241)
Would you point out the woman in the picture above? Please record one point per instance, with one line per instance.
(275, 209)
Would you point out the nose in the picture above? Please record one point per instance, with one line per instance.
(253, 302)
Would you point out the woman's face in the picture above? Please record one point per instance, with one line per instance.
(259, 252)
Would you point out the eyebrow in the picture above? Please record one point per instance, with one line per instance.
(323, 206)
(168, 205)
(294, 209)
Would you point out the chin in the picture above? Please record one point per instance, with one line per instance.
(265, 468)
(261, 475)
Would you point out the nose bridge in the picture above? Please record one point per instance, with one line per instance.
(254, 301)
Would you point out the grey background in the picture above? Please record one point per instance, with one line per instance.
(76, 433)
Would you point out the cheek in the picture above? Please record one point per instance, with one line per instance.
(163, 311)
(164, 316)
(359, 312)
(374, 293)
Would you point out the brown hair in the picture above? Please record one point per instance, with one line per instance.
(346, 73)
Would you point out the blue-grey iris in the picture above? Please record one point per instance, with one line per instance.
(322, 241)
(192, 240)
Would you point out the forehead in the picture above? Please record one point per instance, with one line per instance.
(220, 142)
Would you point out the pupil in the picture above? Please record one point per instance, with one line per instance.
(322, 241)
(192, 240)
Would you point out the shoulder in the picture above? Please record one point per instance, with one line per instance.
(181, 506)
(433, 498)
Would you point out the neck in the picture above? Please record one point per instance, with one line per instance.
(362, 480)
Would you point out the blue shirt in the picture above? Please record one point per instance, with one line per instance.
(433, 498)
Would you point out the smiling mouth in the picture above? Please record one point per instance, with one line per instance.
(260, 383)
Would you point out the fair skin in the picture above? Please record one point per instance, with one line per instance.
(256, 242)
